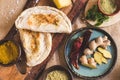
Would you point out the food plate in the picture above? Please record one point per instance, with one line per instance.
(112, 19)
(83, 71)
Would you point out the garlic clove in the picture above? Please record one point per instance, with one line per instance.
(87, 51)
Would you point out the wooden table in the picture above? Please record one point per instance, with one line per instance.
(11, 73)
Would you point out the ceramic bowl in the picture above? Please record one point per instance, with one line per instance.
(117, 3)
(19, 52)
(57, 67)
(85, 72)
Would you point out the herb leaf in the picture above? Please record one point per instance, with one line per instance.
(95, 15)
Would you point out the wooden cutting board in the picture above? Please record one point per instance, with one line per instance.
(11, 72)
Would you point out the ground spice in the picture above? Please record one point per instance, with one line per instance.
(57, 75)
(8, 52)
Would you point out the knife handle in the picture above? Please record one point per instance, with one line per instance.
(76, 9)
(31, 3)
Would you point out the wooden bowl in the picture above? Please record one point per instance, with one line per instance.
(19, 53)
(117, 3)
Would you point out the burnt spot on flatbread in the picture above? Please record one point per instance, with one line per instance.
(34, 43)
(34, 40)
(38, 19)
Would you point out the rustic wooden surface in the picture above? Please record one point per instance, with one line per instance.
(12, 70)
(9, 10)
(11, 73)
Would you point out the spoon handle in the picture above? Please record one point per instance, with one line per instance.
(21, 65)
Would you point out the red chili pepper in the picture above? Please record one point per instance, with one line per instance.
(74, 55)
(78, 47)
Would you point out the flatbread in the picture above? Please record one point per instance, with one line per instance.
(37, 46)
(44, 19)
(112, 19)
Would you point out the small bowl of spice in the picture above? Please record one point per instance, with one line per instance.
(109, 7)
(9, 52)
(57, 72)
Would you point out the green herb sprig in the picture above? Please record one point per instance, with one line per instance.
(95, 15)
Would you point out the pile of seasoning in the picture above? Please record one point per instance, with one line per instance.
(8, 52)
(57, 75)
(107, 6)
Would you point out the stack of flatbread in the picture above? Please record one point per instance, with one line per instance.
(35, 26)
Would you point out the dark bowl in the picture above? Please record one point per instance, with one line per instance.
(19, 53)
(117, 3)
(57, 67)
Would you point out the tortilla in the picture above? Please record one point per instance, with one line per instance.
(37, 46)
(44, 19)
(112, 19)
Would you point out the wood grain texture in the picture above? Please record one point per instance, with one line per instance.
(57, 39)
(11, 72)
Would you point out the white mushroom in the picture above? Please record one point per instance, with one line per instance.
(99, 40)
(93, 45)
(87, 51)
(83, 59)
